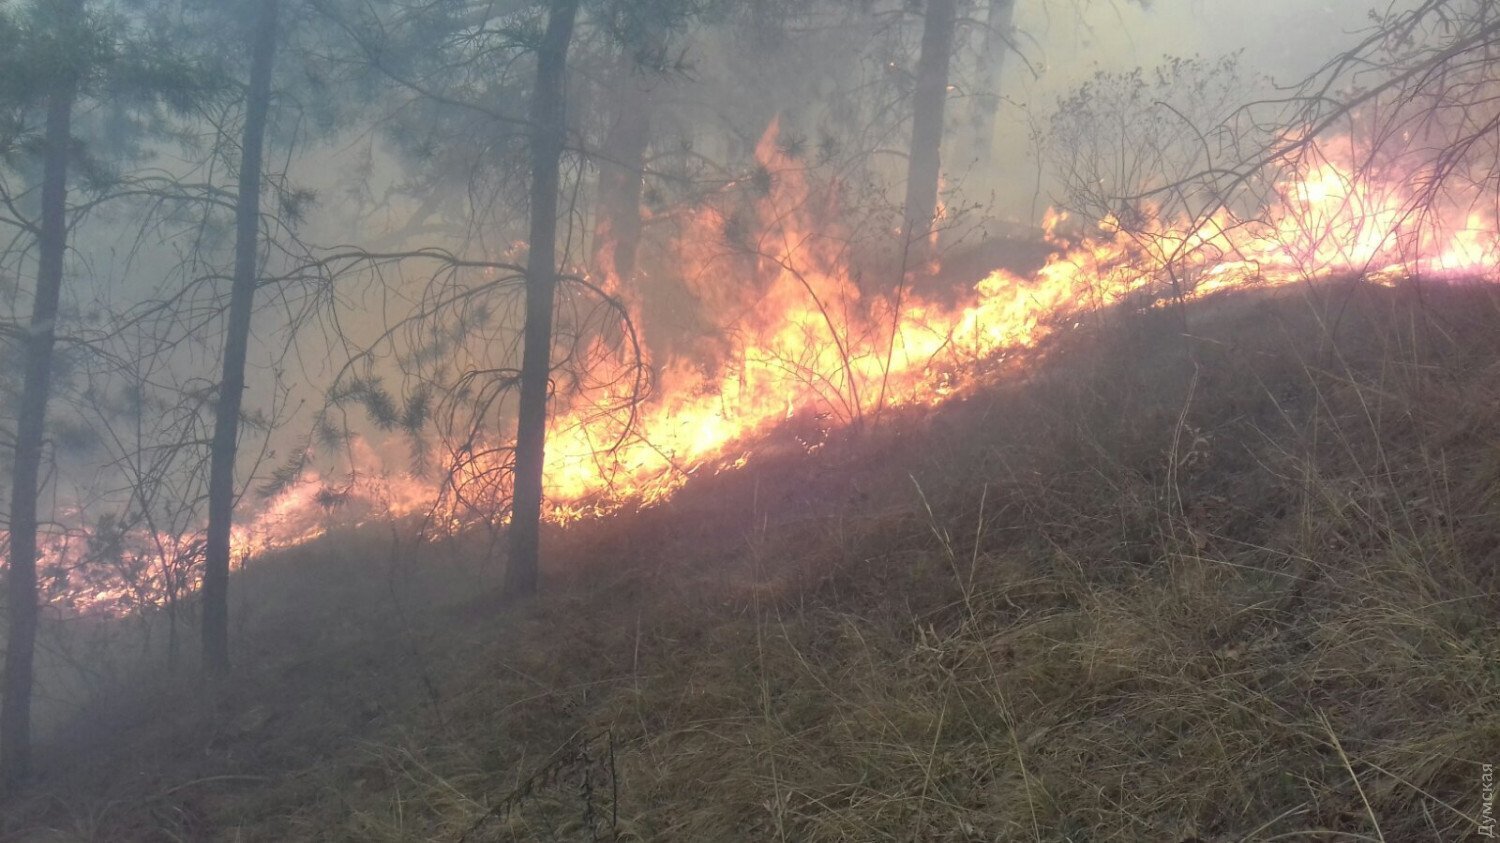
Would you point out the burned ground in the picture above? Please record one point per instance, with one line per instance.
(1222, 573)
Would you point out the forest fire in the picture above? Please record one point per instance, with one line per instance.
(809, 338)
(812, 340)
(802, 420)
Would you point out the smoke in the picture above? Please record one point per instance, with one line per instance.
(360, 187)
(1060, 46)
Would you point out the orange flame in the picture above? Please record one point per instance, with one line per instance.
(799, 335)
(807, 338)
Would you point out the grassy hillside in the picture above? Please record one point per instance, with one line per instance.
(1231, 574)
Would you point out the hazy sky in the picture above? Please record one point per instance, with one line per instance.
(1284, 37)
(1281, 39)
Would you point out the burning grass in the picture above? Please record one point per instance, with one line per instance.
(1233, 582)
(793, 328)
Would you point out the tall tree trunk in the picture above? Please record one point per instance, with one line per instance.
(928, 101)
(998, 41)
(236, 343)
(548, 133)
(617, 228)
(21, 587)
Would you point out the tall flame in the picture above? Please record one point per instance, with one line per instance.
(804, 336)
(797, 333)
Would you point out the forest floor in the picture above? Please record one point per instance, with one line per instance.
(1223, 574)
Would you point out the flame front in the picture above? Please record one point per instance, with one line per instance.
(803, 336)
(809, 339)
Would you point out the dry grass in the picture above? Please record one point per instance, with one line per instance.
(1237, 585)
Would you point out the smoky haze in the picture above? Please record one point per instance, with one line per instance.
(384, 363)
(749, 419)
(360, 187)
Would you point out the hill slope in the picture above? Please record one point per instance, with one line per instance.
(1222, 574)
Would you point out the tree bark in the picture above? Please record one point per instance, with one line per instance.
(21, 584)
(998, 42)
(928, 101)
(548, 133)
(236, 343)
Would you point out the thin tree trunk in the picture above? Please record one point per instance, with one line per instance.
(236, 343)
(998, 42)
(172, 636)
(928, 101)
(617, 230)
(21, 586)
(549, 124)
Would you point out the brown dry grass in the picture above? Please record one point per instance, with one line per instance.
(1237, 583)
